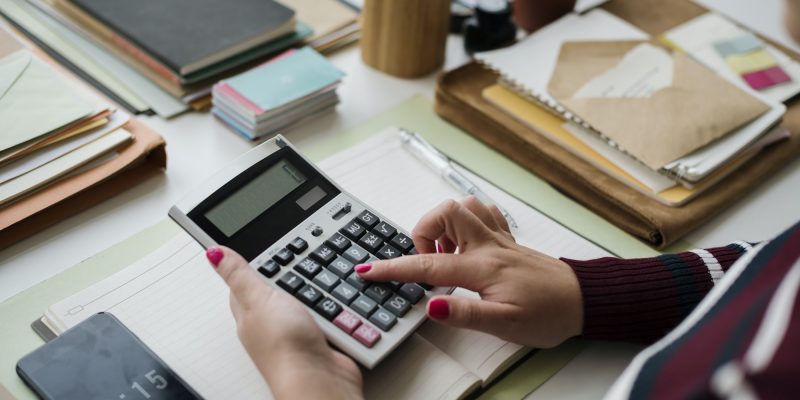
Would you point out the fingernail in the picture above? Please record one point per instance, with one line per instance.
(214, 255)
(363, 268)
(439, 248)
(438, 309)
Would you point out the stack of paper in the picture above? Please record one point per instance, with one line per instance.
(657, 120)
(295, 86)
(49, 129)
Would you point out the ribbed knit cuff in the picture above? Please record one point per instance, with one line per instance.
(640, 300)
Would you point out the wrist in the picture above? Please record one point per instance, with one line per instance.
(292, 374)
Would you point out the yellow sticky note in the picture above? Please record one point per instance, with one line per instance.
(750, 62)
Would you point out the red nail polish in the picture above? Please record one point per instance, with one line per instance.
(438, 309)
(214, 255)
(363, 268)
(439, 248)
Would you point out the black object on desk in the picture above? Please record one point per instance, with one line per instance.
(100, 359)
(490, 28)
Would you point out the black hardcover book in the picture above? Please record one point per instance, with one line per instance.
(188, 35)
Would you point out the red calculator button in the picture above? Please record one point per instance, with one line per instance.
(347, 321)
(367, 335)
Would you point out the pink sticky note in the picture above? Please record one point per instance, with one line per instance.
(758, 80)
(777, 75)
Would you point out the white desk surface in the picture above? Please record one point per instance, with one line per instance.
(198, 145)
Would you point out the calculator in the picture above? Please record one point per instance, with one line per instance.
(305, 234)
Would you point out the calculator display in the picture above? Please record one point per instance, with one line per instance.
(252, 199)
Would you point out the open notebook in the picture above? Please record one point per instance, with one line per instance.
(177, 305)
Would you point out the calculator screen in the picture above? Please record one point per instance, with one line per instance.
(242, 206)
(262, 203)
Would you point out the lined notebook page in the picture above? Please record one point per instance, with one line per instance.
(178, 306)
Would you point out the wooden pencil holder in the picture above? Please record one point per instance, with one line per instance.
(404, 38)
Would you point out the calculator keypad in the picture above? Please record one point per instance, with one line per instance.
(325, 280)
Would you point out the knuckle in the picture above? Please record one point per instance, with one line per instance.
(450, 207)
(427, 264)
(471, 315)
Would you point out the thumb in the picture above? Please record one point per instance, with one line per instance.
(245, 283)
(462, 312)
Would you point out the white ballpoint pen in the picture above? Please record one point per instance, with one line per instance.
(428, 154)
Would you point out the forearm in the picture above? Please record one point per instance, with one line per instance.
(640, 300)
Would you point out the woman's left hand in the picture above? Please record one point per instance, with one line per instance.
(282, 339)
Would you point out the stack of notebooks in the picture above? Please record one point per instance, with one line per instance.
(293, 87)
(55, 134)
(669, 124)
(165, 56)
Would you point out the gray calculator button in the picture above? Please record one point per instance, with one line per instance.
(353, 230)
(345, 293)
(308, 268)
(383, 319)
(364, 305)
(309, 295)
(378, 292)
(323, 254)
(338, 242)
(326, 280)
(340, 266)
(371, 242)
(367, 219)
(385, 230)
(397, 305)
(290, 282)
(402, 242)
(411, 292)
(356, 281)
(387, 252)
(328, 309)
(356, 254)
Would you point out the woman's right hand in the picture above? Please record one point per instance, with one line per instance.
(526, 297)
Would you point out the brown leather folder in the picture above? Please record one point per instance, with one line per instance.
(459, 100)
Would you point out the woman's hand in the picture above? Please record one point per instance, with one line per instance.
(282, 339)
(526, 296)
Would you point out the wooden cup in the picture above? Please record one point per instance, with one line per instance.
(404, 38)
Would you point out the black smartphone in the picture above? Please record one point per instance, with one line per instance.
(100, 359)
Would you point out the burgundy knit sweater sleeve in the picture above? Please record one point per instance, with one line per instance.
(640, 300)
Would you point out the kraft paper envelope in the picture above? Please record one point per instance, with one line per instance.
(696, 109)
(33, 101)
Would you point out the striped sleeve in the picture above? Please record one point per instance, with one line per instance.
(640, 300)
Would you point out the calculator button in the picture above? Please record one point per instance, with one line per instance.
(413, 251)
(328, 309)
(411, 292)
(269, 269)
(397, 305)
(384, 230)
(394, 284)
(353, 230)
(364, 305)
(290, 282)
(356, 254)
(308, 268)
(309, 295)
(297, 245)
(340, 266)
(283, 256)
(326, 280)
(386, 252)
(383, 319)
(367, 219)
(347, 321)
(323, 254)
(426, 286)
(402, 242)
(367, 335)
(355, 281)
(371, 242)
(378, 292)
(345, 293)
(338, 242)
